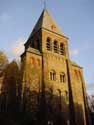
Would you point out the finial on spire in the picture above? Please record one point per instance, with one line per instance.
(44, 3)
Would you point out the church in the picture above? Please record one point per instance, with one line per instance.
(52, 84)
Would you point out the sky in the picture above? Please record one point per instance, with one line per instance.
(74, 17)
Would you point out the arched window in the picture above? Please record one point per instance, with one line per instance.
(32, 60)
(62, 49)
(62, 77)
(38, 62)
(52, 75)
(48, 44)
(55, 46)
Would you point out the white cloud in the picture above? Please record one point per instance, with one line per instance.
(74, 52)
(17, 48)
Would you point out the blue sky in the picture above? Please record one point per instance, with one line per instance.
(75, 18)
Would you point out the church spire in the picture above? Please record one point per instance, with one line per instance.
(46, 22)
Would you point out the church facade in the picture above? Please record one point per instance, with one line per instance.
(52, 83)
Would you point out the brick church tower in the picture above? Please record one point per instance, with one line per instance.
(50, 78)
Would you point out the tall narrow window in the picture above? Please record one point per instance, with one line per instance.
(55, 46)
(62, 49)
(62, 77)
(52, 75)
(48, 44)
(32, 60)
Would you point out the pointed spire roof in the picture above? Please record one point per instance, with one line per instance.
(46, 21)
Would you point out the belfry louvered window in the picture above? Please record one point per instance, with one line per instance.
(62, 49)
(55, 46)
(48, 44)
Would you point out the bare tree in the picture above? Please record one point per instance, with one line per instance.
(3, 61)
(91, 103)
